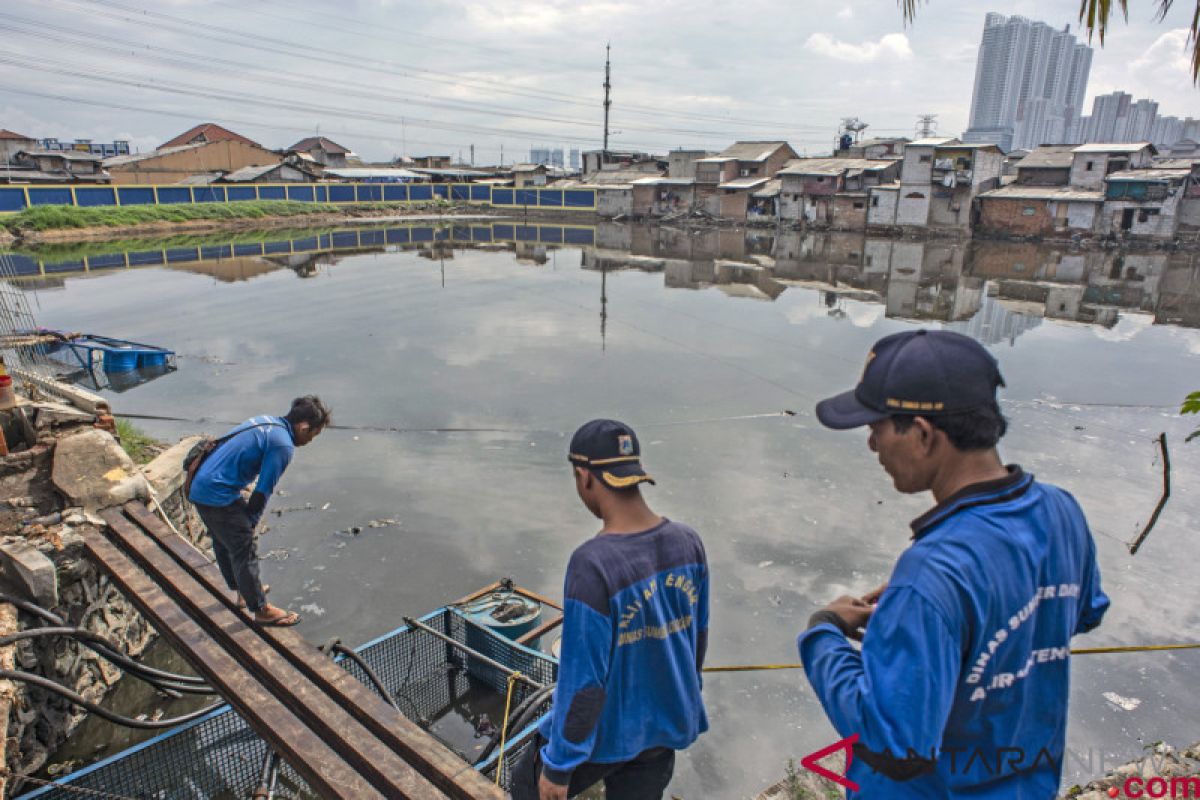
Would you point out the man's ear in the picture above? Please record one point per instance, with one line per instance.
(927, 433)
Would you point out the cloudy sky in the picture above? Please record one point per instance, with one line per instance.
(385, 77)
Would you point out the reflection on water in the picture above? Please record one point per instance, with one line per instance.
(512, 335)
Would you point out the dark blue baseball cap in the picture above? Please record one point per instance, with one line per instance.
(919, 373)
(610, 450)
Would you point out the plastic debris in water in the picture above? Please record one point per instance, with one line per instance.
(1123, 703)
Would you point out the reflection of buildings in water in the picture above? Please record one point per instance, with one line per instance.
(530, 253)
(235, 268)
(307, 265)
(994, 323)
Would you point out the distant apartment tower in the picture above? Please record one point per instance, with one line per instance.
(1030, 82)
(551, 157)
(1117, 117)
(575, 163)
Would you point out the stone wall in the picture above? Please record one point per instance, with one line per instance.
(50, 505)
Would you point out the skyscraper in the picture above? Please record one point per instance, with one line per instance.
(1030, 81)
(1117, 117)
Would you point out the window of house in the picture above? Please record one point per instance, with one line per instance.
(820, 179)
(858, 205)
(925, 159)
(875, 201)
(1028, 211)
(1088, 166)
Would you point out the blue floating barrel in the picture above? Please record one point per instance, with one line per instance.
(506, 613)
(120, 360)
(152, 358)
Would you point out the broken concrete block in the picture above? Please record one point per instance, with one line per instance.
(92, 471)
(53, 414)
(166, 472)
(30, 572)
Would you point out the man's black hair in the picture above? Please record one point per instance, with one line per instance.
(977, 429)
(309, 409)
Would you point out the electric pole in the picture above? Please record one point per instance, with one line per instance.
(926, 126)
(607, 98)
(472, 155)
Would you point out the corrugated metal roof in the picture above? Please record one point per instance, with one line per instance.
(1114, 147)
(68, 155)
(1018, 191)
(834, 166)
(250, 173)
(1157, 174)
(212, 132)
(1050, 156)
(375, 172)
(529, 167)
(1176, 163)
(742, 183)
(752, 151)
(664, 181)
(315, 142)
(932, 141)
(132, 158)
(771, 189)
(203, 179)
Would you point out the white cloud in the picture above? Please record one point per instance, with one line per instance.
(1169, 52)
(846, 13)
(892, 45)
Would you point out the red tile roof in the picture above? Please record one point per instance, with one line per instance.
(207, 132)
(7, 134)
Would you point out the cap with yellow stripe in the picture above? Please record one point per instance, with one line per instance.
(610, 450)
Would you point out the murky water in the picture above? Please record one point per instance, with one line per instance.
(698, 339)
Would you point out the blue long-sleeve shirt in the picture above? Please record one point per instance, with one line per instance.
(960, 688)
(635, 631)
(263, 451)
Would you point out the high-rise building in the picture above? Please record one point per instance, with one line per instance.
(1117, 117)
(1030, 81)
(574, 158)
(551, 157)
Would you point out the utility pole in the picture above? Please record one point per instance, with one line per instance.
(502, 154)
(472, 155)
(927, 126)
(607, 98)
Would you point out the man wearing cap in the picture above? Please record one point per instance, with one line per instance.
(635, 630)
(960, 688)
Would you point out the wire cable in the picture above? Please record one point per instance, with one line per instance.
(99, 710)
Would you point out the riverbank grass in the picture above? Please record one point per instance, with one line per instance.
(136, 444)
(44, 218)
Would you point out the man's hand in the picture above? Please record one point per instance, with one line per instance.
(854, 611)
(550, 791)
(872, 597)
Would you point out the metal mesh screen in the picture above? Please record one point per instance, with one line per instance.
(220, 757)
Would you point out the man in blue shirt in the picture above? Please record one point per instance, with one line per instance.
(635, 630)
(259, 448)
(960, 688)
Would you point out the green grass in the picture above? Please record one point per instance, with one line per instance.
(44, 218)
(134, 441)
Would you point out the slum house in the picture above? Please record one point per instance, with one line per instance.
(325, 152)
(119, 147)
(1011, 159)
(939, 181)
(832, 192)
(204, 133)
(614, 200)
(430, 162)
(173, 164)
(1021, 209)
(1092, 163)
(13, 143)
(45, 166)
(741, 167)
(597, 160)
(1048, 165)
(763, 206)
(529, 175)
(660, 197)
(374, 175)
(682, 163)
(1144, 202)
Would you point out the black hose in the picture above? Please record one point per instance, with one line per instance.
(103, 646)
(99, 644)
(98, 710)
(337, 647)
(521, 716)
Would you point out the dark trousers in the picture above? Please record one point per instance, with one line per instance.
(235, 549)
(644, 778)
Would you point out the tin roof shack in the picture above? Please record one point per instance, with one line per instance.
(810, 189)
(173, 164)
(614, 200)
(325, 152)
(744, 160)
(1048, 165)
(55, 166)
(430, 162)
(682, 163)
(529, 175)
(597, 160)
(882, 147)
(207, 132)
(1034, 210)
(283, 172)
(734, 197)
(939, 180)
(1091, 163)
(662, 197)
(1144, 202)
(763, 206)
(13, 143)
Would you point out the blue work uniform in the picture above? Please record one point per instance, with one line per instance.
(960, 689)
(261, 447)
(635, 632)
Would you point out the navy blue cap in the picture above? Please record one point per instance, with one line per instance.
(611, 451)
(919, 373)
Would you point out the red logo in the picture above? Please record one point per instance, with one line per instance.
(809, 762)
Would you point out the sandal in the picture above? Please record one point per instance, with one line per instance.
(285, 619)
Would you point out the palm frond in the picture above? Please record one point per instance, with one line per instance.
(909, 9)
